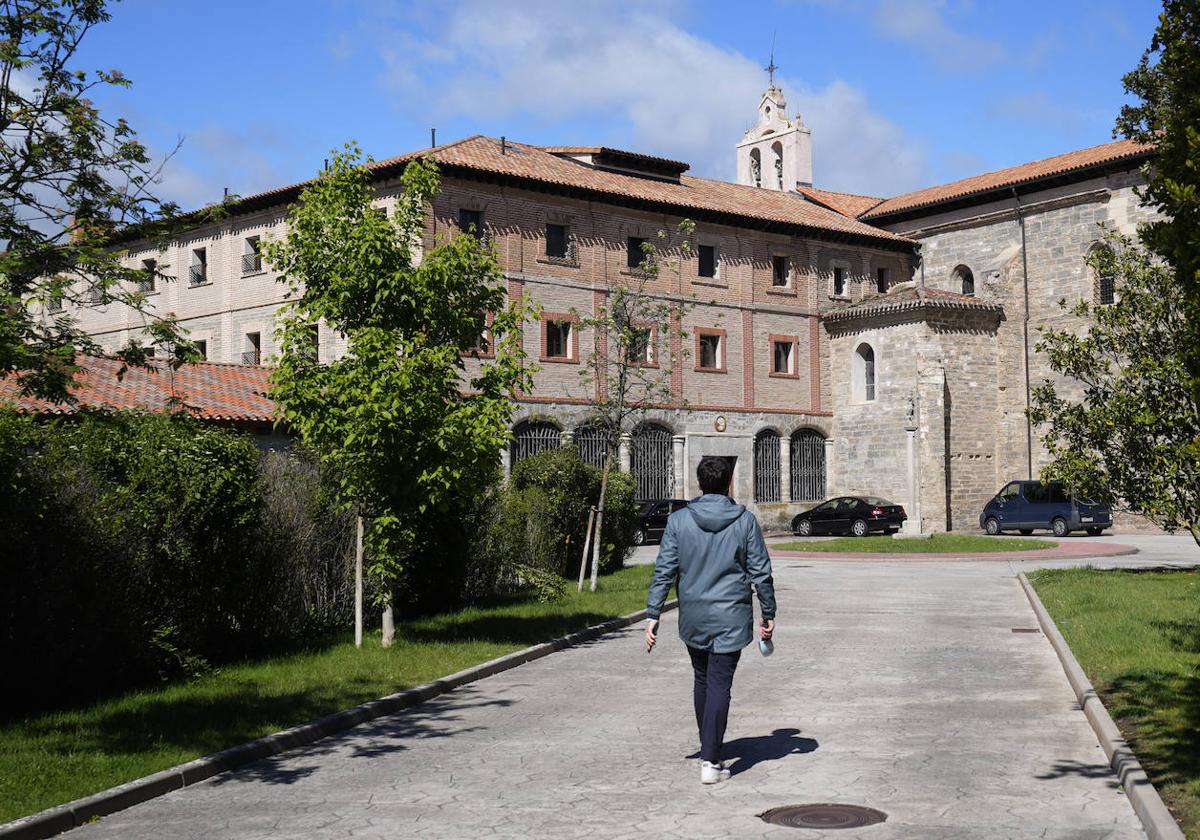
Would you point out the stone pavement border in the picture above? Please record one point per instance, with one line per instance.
(1064, 551)
(1148, 805)
(70, 815)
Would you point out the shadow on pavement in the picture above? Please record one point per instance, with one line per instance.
(747, 752)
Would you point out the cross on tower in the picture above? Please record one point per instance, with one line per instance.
(771, 68)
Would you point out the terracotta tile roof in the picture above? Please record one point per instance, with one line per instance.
(908, 297)
(688, 195)
(1120, 150)
(848, 204)
(206, 390)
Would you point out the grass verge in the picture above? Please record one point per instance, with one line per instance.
(1137, 636)
(53, 758)
(937, 544)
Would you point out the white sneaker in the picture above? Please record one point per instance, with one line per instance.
(711, 773)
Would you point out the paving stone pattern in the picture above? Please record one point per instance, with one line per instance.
(897, 686)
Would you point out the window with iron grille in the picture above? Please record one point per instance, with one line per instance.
(471, 221)
(707, 258)
(557, 241)
(779, 271)
(783, 357)
(558, 339)
(148, 284)
(198, 271)
(652, 462)
(634, 253)
(532, 437)
(808, 465)
(592, 442)
(251, 258)
(881, 280)
(1106, 290)
(252, 355)
(767, 472)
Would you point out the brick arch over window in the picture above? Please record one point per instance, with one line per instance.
(652, 461)
(963, 280)
(533, 436)
(767, 470)
(808, 465)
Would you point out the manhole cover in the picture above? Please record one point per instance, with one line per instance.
(823, 816)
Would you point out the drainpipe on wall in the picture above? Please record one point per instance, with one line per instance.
(1025, 338)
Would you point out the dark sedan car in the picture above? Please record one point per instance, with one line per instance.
(652, 519)
(857, 515)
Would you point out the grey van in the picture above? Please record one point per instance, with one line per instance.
(1025, 505)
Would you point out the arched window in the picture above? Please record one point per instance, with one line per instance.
(591, 441)
(808, 465)
(767, 473)
(777, 148)
(652, 462)
(864, 373)
(756, 167)
(964, 280)
(1104, 287)
(531, 437)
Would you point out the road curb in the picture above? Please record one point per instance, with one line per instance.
(70, 815)
(1147, 804)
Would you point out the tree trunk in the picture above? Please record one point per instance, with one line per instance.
(599, 523)
(389, 625)
(358, 582)
(587, 547)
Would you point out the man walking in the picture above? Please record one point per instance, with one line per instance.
(713, 551)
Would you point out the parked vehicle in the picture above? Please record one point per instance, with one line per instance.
(1023, 506)
(652, 519)
(857, 515)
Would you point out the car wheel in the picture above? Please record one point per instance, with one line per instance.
(1059, 527)
(1095, 532)
(859, 528)
(639, 536)
(804, 529)
(992, 526)
(1025, 532)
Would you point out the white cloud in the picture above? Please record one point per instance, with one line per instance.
(657, 88)
(1037, 108)
(923, 24)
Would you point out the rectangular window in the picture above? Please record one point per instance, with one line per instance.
(315, 341)
(251, 258)
(779, 271)
(198, 272)
(708, 356)
(707, 255)
(471, 221)
(556, 241)
(839, 281)
(640, 347)
(558, 339)
(881, 280)
(634, 255)
(782, 357)
(252, 355)
(202, 349)
(148, 285)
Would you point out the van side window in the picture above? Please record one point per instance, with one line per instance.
(1010, 492)
(1058, 493)
(1038, 494)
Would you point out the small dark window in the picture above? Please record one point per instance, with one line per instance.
(710, 352)
(881, 280)
(202, 349)
(779, 271)
(558, 339)
(252, 355)
(839, 281)
(556, 241)
(782, 357)
(147, 284)
(198, 270)
(471, 221)
(708, 260)
(638, 349)
(635, 255)
(966, 280)
(1106, 290)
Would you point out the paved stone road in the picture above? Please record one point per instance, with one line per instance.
(897, 686)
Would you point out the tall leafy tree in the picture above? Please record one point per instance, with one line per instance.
(396, 414)
(70, 181)
(1133, 440)
(1166, 84)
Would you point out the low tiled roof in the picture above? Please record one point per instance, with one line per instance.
(538, 166)
(1121, 150)
(206, 390)
(848, 204)
(908, 298)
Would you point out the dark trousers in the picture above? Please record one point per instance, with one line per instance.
(710, 692)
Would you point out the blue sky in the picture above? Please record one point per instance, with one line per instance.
(899, 94)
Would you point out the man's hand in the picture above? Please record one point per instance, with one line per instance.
(651, 628)
(767, 629)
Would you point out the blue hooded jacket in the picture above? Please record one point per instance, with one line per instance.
(713, 551)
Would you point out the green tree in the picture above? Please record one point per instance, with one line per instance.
(396, 417)
(70, 181)
(1166, 84)
(1133, 441)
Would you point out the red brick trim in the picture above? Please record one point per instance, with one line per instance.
(782, 291)
(689, 406)
(547, 317)
(748, 357)
(600, 385)
(723, 350)
(794, 340)
(814, 363)
(676, 355)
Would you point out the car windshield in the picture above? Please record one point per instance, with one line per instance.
(875, 501)
(646, 508)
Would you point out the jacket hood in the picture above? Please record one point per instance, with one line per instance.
(714, 512)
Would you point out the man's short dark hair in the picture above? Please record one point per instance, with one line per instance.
(714, 474)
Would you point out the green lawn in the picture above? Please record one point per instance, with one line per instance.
(1137, 636)
(53, 758)
(937, 544)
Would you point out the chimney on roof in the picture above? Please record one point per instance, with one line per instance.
(226, 194)
(432, 137)
(503, 145)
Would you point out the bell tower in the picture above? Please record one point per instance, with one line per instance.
(776, 154)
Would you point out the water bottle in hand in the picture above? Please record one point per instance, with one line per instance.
(765, 646)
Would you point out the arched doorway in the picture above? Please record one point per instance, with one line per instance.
(808, 465)
(652, 462)
(767, 471)
(531, 437)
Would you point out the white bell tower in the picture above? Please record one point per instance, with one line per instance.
(776, 154)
